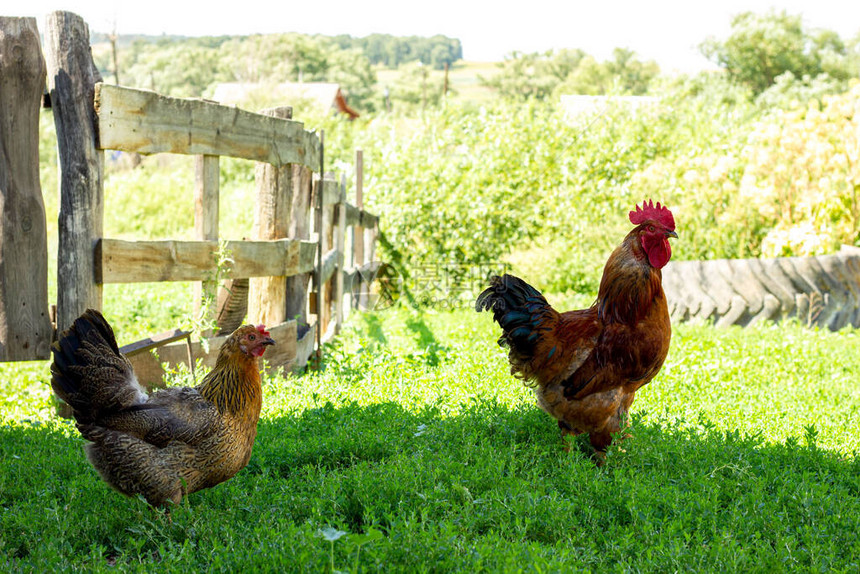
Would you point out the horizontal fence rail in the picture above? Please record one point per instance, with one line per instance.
(142, 121)
(119, 261)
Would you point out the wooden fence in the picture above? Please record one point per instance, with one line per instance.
(294, 276)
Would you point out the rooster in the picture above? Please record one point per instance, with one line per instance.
(175, 441)
(586, 365)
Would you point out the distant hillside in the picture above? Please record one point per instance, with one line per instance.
(192, 66)
(381, 49)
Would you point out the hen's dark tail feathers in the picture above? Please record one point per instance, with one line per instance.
(520, 310)
(88, 371)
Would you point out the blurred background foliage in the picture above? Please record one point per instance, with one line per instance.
(484, 165)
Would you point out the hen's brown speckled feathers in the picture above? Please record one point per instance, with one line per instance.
(586, 365)
(170, 443)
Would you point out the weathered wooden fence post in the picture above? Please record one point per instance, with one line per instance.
(370, 266)
(207, 187)
(340, 245)
(300, 228)
(328, 196)
(318, 228)
(25, 327)
(71, 80)
(358, 234)
(267, 301)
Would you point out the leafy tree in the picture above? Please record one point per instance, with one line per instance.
(352, 70)
(274, 57)
(190, 66)
(181, 70)
(632, 75)
(416, 88)
(394, 51)
(762, 47)
(525, 76)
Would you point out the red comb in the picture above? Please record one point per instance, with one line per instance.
(658, 213)
(262, 330)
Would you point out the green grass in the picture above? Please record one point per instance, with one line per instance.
(415, 451)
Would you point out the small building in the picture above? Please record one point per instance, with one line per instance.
(328, 96)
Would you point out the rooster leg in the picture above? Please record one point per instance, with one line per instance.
(567, 430)
(600, 442)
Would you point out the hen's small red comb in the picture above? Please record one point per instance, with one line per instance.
(262, 330)
(658, 213)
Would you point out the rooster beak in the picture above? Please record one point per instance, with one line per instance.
(267, 341)
(671, 234)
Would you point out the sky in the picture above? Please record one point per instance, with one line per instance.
(667, 31)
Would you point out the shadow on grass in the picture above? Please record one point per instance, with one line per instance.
(386, 453)
(698, 498)
(425, 339)
(374, 328)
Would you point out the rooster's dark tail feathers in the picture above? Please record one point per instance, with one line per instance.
(520, 310)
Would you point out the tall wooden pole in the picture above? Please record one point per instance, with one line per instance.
(300, 228)
(267, 301)
(358, 284)
(340, 244)
(207, 191)
(25, 326)
(71, 80)
(320, 238)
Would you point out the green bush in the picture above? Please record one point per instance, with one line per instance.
(508, 182)
(549, 194)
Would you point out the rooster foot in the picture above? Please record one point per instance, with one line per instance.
(568, 431)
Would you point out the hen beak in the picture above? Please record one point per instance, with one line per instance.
(267, 341)
(671, 234)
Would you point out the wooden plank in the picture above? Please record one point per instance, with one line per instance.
(329, 264)
(307, 256)
(358, 251)
(368, 219)
(232, 304)
(152, 342)
(339, 245)
(149, 367)
(268, 295)
(332, 192)
(305, 348)
(207, 191)
(300, 229)
(353, 214)
(25, 326)
(370, 243)
(71, 82)
(146, 122)
(318, 228)
(123, 261)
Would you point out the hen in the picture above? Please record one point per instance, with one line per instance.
(175, 441)
(586, 365)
